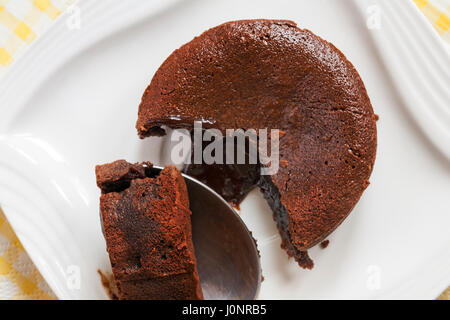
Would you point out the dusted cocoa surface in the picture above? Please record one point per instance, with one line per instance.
(271, 74)
(147, 228)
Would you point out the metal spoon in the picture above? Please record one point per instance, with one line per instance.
(227, 257)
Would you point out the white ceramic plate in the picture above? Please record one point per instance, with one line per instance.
(71, 102)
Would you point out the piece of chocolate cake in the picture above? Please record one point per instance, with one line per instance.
(271, 74)
(147, 227)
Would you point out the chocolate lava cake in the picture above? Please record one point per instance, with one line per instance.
(147, 226)
(271, 74)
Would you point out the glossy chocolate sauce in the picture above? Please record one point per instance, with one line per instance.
(232, 181)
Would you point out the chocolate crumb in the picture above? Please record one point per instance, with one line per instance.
(108, 284)
(324, 244)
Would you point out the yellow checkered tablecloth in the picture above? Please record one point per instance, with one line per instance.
(438, 12)
(21, 22)
(19, 279)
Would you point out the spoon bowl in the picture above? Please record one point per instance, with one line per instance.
(227, 257)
